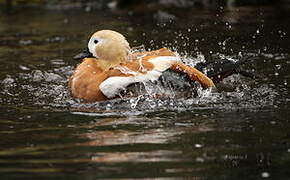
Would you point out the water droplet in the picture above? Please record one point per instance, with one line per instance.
(24, 68)
(199, 159)
(265, 174)
(198, 145)
(25, 42)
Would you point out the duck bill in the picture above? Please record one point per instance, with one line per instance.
(85, 54)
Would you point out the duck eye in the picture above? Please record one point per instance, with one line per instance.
(96, 41)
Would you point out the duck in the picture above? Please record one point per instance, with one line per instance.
(108, 66)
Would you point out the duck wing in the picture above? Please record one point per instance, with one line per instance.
(218, 70)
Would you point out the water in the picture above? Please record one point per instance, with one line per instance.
(240, 132)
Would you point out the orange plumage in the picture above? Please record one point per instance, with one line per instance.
(93, 79)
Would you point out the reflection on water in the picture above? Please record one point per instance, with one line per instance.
(240, 131)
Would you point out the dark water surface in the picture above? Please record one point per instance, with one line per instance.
(241, 132)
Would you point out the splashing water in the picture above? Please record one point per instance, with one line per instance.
(48, 90)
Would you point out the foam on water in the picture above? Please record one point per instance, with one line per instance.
(48, 90)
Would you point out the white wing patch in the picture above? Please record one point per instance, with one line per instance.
(162, 63)
(114, 85)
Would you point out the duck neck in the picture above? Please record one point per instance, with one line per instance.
(107, 64)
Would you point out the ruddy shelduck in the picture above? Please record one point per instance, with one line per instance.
(108, 67)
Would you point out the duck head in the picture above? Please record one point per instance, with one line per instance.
(108, 47)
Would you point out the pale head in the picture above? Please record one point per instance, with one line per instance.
(110, 46)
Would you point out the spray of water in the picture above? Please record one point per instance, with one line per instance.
(48, 90)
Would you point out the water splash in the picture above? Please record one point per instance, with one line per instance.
(48, 90)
